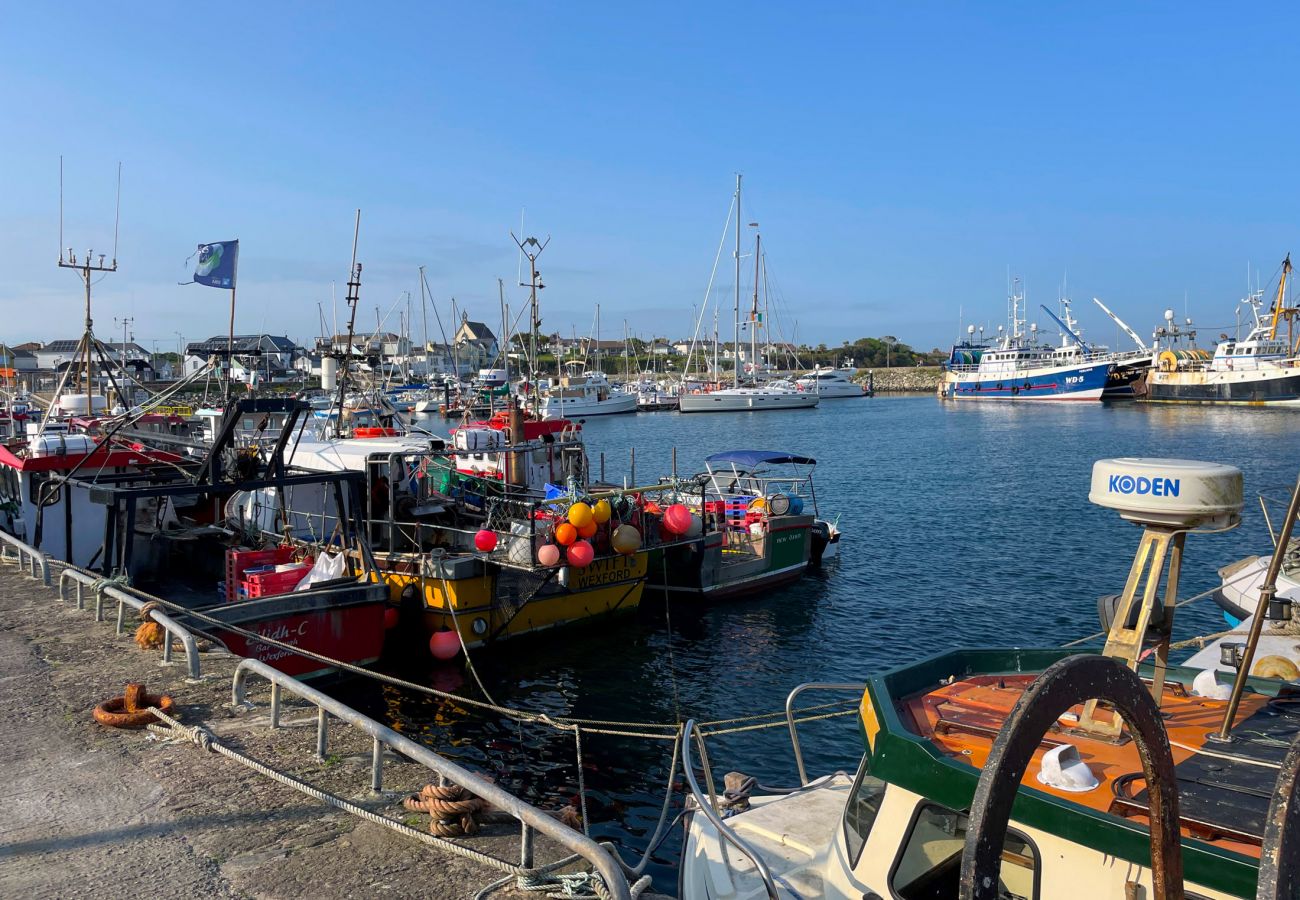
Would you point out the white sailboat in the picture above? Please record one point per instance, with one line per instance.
(750, 397)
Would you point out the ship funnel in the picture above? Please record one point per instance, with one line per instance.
(1178, 493)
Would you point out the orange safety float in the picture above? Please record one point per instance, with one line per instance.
(374, 432)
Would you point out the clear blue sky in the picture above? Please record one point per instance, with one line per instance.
(899, 158)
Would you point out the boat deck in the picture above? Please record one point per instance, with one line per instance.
(1224, 790)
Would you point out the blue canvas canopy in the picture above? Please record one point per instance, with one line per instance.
(753, 458)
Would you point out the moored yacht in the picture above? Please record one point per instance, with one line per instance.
(830, 384)
(581, 392)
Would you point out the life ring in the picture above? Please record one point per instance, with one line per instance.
(132, 709)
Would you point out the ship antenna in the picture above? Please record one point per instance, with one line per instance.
(117, 213)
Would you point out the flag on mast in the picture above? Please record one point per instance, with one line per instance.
(218, 264)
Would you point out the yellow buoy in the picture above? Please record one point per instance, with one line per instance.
(601, 512)
(580, 515)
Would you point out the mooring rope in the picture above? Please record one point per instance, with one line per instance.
(204, 739)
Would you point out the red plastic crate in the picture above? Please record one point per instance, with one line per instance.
(238, 561)
(268, 584)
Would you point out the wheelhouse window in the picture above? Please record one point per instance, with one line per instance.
(860, 812)
(930, 864)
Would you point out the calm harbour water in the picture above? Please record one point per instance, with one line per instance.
(965, 524)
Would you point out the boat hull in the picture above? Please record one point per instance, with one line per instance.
(1260, 387)
(723, 564)
(745, 401)
(1056, 383)
(566, 408)
(489, 604)
(344, 623)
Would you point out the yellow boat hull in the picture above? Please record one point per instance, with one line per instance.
(471, 604)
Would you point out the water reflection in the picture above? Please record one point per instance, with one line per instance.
(964, 523)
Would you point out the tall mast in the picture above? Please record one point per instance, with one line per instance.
(753, 315)
(424, 320)
(735, 344)
(505, 331)
(598, 368)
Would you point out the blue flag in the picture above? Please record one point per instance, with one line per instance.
(218, 264)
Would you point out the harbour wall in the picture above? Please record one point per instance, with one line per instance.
(900, 380)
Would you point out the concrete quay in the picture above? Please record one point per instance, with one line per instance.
(96, 812)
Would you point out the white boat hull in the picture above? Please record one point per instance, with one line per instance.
(746, 400)
(576, 407)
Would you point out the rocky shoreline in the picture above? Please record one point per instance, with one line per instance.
(916, 379)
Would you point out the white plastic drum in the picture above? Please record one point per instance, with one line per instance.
(1179, 492)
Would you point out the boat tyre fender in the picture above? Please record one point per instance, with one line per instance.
(131, 710)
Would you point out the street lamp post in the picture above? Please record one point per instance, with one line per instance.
(890, 341)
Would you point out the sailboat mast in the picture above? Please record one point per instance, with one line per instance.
(753, 315)
(735, 344)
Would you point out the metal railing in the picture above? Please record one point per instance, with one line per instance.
(857, 687)
(708, 804)
(124, 598)
(532, 820)
(30, 560)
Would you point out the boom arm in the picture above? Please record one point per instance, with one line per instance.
(1280, 300)
(1066, 328)
(1120, 322)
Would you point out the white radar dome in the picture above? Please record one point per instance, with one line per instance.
(1179, 492)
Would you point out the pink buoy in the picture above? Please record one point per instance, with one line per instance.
(444, 644)
(485, 540)
(580, 554)
(391, 617)
(677, 519)
(548, 555)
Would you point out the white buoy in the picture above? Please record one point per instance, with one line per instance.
(1183, 493)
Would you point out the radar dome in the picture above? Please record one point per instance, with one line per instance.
(1175, 492)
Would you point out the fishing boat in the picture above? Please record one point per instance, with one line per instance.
(458, 531)
(156, 519)
(752, 395)
(1024, 773)
(1263, 369)
(830, 384)
(759, 527)
(1017, 367)
(1128, 368)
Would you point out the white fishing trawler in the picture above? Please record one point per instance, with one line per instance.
(1262, 369)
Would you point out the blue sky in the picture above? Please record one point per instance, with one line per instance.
(899, 157)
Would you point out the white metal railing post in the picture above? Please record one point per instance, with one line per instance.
(857, 687)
